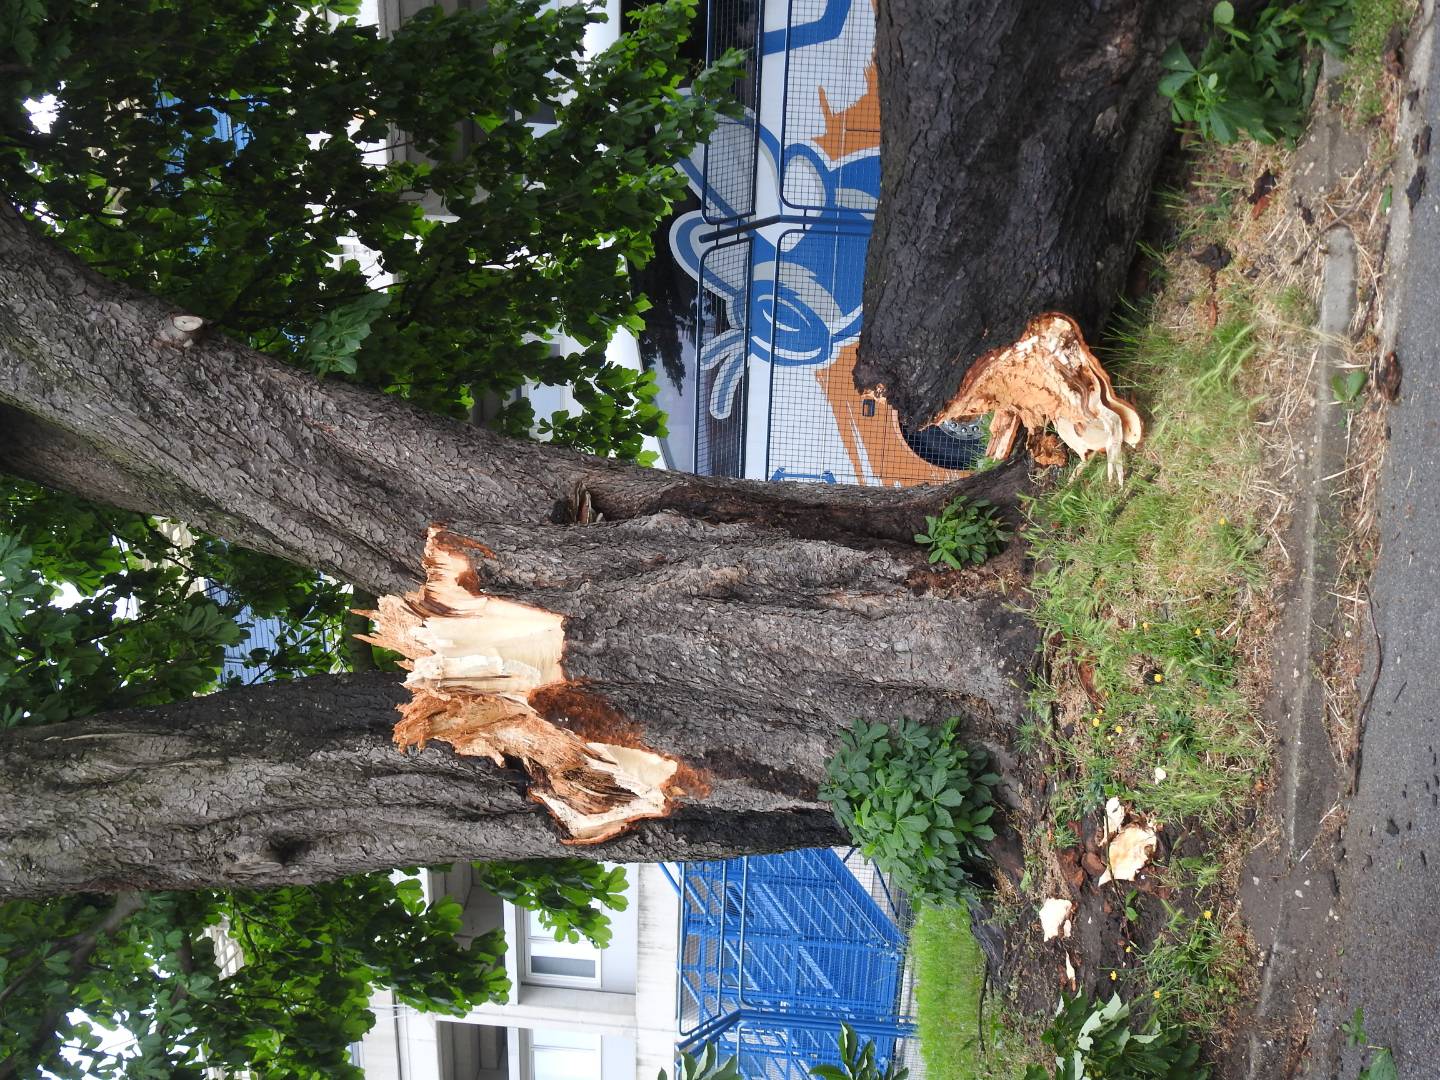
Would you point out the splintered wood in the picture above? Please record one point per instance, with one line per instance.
(476, 662)
(1049, 376)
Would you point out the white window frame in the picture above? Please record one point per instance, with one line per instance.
(535, 1041)
(532, 934)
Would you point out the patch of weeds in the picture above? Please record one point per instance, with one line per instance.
(857, 1062)
(958, 1040)
(916, 801)
(1296, 304)
(1194, 872)
(1139, 587)
(1094, 1039)
(1379, 1062)
(1257, 80)
(966, 533)
(705, 1065)
(1365, 76)
(1193, 969)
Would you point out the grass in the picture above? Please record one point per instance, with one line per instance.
(1193, 970)
(1154, 598)
(950, 976)
(1141, 585)
(1366, 80)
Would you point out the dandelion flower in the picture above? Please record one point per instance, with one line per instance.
(1207, 913)
(1158, 677)
(1113, 976)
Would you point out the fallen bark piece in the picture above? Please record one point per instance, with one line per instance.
(1129, 851)
(475, 663)
(1114, 817)
(1048, 376)
(1055, 917)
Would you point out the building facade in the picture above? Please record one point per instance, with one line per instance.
(575, 1012)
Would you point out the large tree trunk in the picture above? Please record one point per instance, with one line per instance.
(735, 627)
(290, 783)
(1018, 147)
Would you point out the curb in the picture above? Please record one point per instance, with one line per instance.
(1291, 914)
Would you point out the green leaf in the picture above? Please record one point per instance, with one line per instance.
(1381, 1067)
(1176, 59)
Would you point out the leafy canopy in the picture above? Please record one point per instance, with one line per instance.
(228, 154)
(221, 154)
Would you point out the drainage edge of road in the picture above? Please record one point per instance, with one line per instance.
(1290, 884)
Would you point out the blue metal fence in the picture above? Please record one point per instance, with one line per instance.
(777, 950)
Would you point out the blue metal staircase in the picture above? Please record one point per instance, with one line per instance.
(777, 950)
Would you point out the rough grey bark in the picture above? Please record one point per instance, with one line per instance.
(1018, 149)
(736, 626)
(285, 784)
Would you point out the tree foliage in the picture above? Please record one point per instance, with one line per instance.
(565, 892)
(104, 608)
(223, 155)
(310, 958)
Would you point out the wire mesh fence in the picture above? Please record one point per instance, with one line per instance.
(831, 109)
(722, 333)
(731, 152)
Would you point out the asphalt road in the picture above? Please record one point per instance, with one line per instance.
(1389, 907)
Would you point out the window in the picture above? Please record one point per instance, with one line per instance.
(558, 963)
(564, 1055)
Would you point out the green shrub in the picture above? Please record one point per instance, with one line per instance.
(966, 533)
(916, 801)
(1092, 1041)
(706, 1066)
(858, 1062)
(1258, 81)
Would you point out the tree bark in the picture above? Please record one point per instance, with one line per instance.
(1017, 153)
(735, 627)
(292, 783)
(325, 473)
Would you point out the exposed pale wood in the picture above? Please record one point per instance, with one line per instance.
(1048, 376)
(1017, 152)
(475, 661)
(180, 331)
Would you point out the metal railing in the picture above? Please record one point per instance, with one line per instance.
(777, 951)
